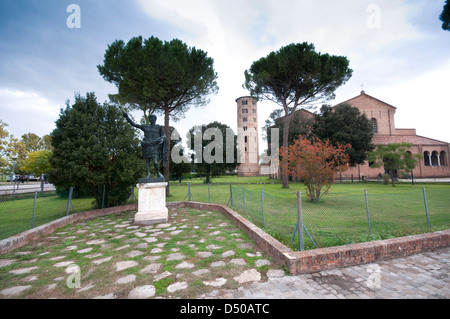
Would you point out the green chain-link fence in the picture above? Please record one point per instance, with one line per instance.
(20, 212)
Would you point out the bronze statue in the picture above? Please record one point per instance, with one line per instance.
(154, 145)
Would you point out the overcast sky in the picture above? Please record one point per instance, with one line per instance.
(396, 48)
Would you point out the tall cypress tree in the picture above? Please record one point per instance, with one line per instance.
(93, 148)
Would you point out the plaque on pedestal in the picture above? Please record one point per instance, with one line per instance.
(152, 202)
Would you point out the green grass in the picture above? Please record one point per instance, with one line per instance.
(339, 218)
(16, 212)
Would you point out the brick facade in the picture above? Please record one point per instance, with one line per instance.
(435, 153)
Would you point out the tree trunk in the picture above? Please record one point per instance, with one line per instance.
(167, 167)
(284, 175)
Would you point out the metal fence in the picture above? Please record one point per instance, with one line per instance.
(338, 218)
(22, 211)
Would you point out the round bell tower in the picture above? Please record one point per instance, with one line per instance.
(248, 149)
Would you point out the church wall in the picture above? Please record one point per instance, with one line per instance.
(374, 109)
(421, 170)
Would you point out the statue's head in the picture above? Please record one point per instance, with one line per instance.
(152, 119)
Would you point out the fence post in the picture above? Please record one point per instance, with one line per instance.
(262, 206)
(367, 210)
(231, 197)
(243, 195)
(209, 193)
(34, 209)
(132, 193)
(300, 222)
(189, 192)
(103, 196)
(426, 205)
(69, 201)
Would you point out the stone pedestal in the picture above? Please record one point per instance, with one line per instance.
(152, 203)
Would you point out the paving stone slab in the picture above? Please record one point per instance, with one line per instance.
(84, 251)
(126, 280)
(248, 275)
(122, 265)
(142, 292)
(177, 286)
(262, 262)
(142, 246)
(204, 254)
(218, 282)
(108, 296)
(175, 256)
(163, 275)
(150, 239)
(217, 264)
(23, 270)
(14, 291)
(134, 253)
(152, 269)
(213, 247)
(86, 288)
(163, 225)
(275, 273)
(101, 261)
(6, 262)
(95, 242)
(64, 263)
(238, 261)
(228, 253)
(185, 265)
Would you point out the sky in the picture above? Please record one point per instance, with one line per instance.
(398, 52)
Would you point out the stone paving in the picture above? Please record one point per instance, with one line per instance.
(197, 254)
(421, 276)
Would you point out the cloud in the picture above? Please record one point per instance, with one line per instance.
(34, 110)
(43, 63)
(383, 40)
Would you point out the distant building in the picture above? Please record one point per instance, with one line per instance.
(435, 153)
(247, 124)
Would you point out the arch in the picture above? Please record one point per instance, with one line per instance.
(374, 125)
(435, 158)
(427, 158)
(443, 158)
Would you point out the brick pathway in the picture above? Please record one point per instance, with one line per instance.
(421, 276)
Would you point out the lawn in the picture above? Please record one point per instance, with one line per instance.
(16, 212)
(339, 218)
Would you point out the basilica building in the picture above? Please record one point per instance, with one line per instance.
(434, 153)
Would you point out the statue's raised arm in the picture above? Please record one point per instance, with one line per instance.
(125, 115)
(154, 145)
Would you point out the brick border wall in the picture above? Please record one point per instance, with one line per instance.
(334, 257)
(297, 262)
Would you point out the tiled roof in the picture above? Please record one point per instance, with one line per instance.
(414, 139)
